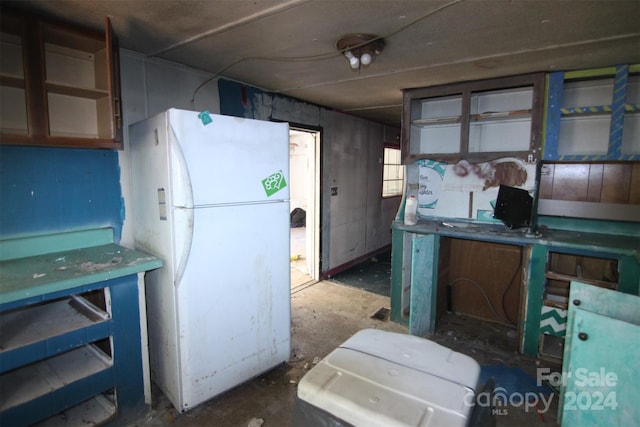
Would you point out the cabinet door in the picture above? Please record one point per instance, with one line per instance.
(500, 120)
(13, 84)
(600, 374)
(476, 121)
(436, 125)
(113, 68)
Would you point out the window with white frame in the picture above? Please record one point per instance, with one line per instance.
(393, 172)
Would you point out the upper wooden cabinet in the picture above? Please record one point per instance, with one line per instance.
(477, 121)
(59, 85)
(594, 115)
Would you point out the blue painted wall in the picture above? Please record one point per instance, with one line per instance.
(45, 190)
(236, 99)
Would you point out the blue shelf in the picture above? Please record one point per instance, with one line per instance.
(46, 330)
(54, 385)
(70, 328)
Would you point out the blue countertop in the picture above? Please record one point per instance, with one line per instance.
(24, 276)
(615, 244)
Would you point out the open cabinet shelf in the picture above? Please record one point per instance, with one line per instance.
(76, 91)
(48, 329)
(96, 411)
(59, 84)
(70, 329)
(12, 81)
(561, 270)
(476, 121)
(594, 115)
(84, 367)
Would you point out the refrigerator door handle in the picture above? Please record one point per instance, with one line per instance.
(184, 247)
(182, 202)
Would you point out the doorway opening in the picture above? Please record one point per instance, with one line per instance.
(304, 181)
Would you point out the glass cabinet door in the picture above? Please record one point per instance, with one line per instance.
(13, 98)
(477, 121)
(436, 125)
(500, 120)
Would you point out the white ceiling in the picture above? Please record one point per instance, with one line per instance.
(288, 46)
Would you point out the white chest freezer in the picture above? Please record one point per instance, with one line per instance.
(379, 378)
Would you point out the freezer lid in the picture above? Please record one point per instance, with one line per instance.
(367, 390)
(417, 353)
(230, 160)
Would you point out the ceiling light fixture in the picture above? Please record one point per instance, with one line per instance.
(360, 49)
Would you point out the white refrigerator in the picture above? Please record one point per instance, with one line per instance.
(211, 198)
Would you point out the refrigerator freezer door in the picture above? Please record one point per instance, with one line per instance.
(231, 159)
(234, 299)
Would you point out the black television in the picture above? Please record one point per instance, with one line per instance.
(513, 207)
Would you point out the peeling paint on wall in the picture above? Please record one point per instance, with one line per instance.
(291, 110)
(355, 221)
(59, 189)
(465, 190)
(249, 102)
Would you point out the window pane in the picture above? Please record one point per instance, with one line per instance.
(392, 173)
(395, 156)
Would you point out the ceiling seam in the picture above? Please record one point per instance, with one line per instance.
(232, 25)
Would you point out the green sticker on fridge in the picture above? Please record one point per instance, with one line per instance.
(274, 183)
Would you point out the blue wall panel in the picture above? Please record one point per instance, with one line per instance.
(46, 190)
(236, 99)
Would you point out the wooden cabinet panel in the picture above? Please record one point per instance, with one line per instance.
(634, 192)
(591, 182)
(570, 182)
(477, 269)
(616, 179)
(595, 182)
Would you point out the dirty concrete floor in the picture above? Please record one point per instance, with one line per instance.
(324, 314)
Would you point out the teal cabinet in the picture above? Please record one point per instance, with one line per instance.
(602, 260)
(549, 278)
(414, 280)
(70, 329)
(590, 117)
(424, 281)
(600, 373)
